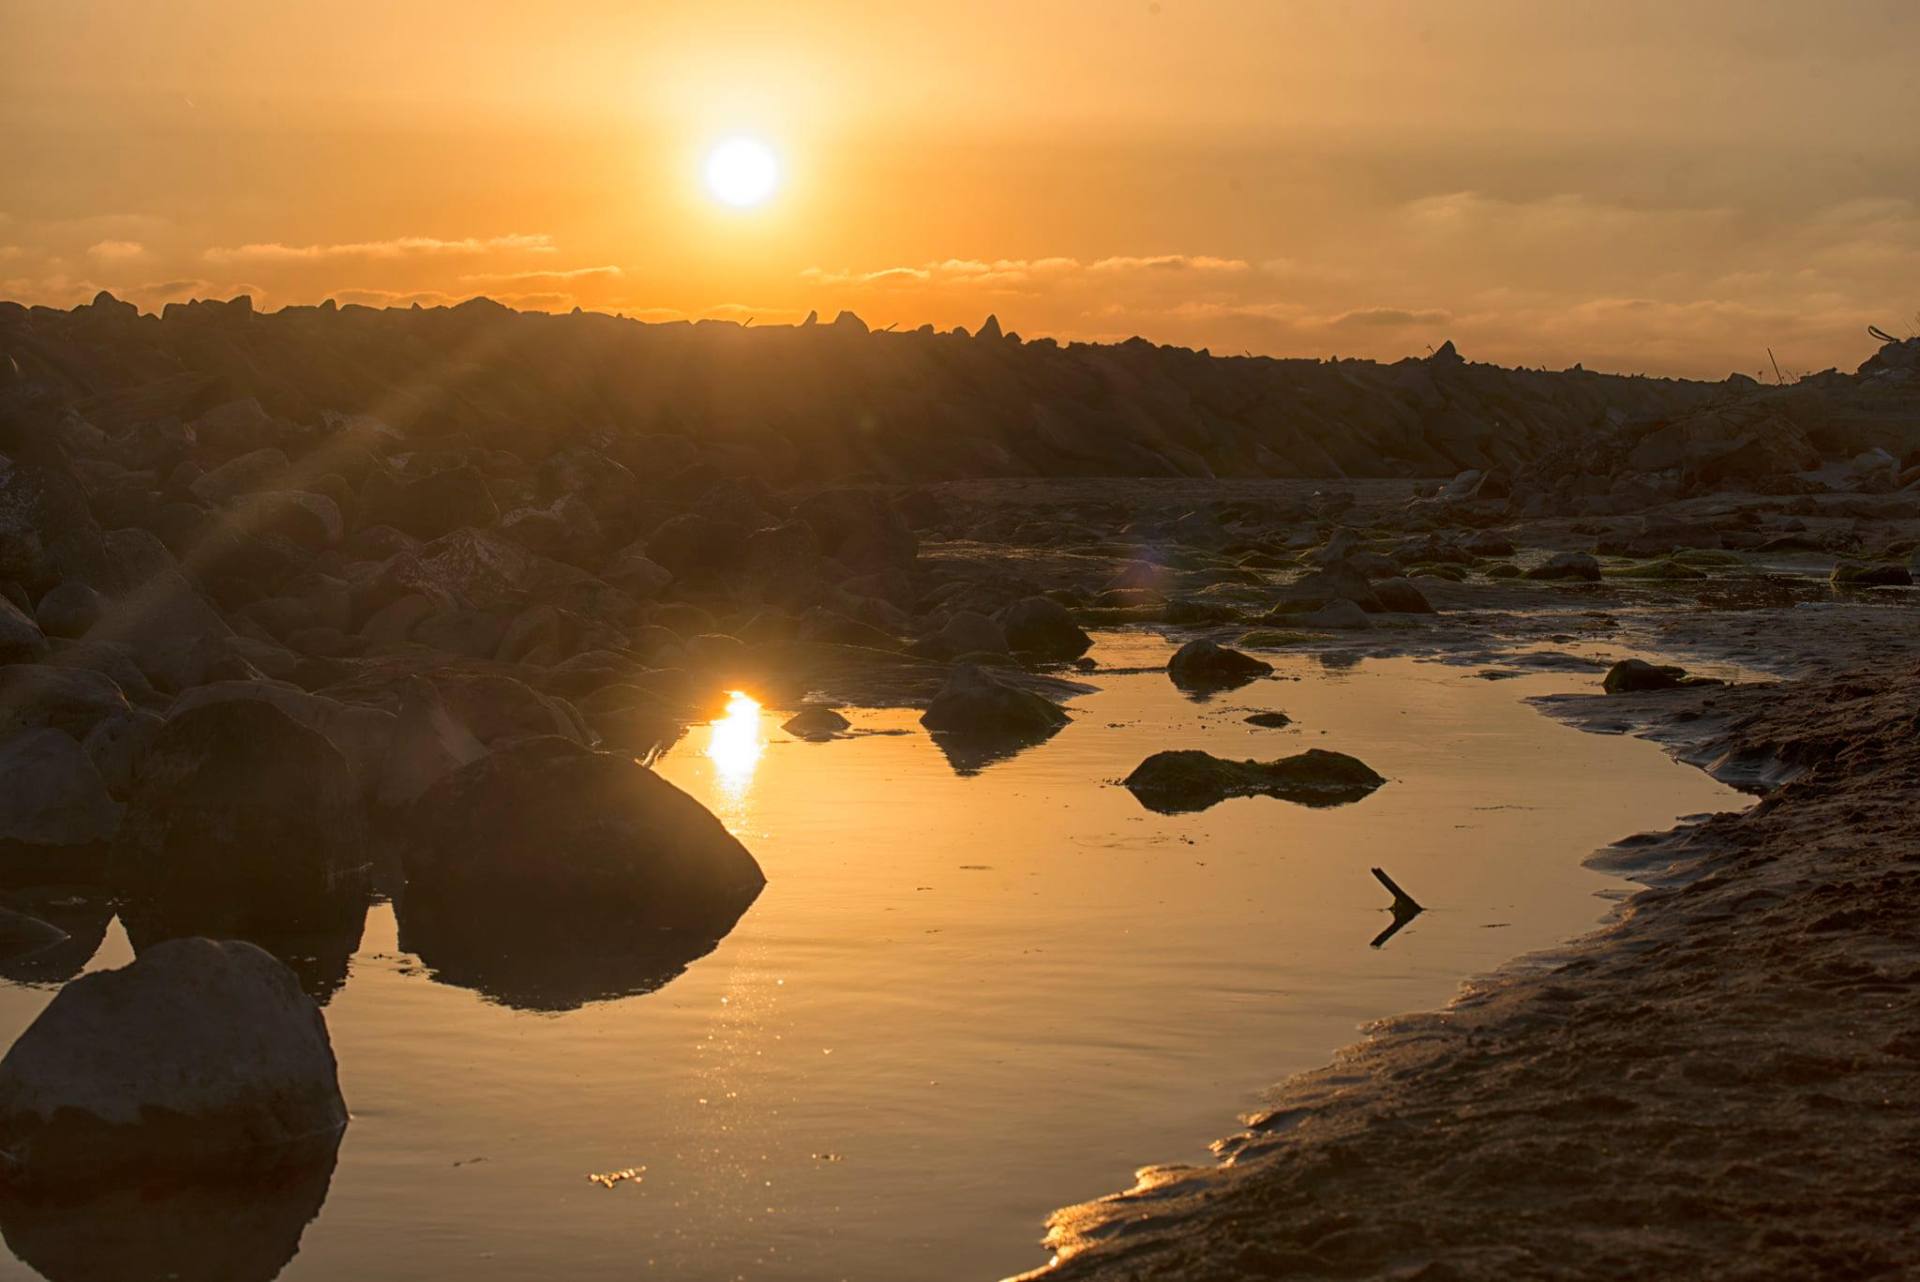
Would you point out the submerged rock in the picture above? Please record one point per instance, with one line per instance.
(1207, 665)
(1630, 676)
(197, 1056)
(815, 721)
(1173, 782)
(1269, 720)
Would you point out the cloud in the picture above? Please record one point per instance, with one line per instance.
(1171, 263)
(1388, 317)
(113, 251)
(1010, 272)
(399, 247)
(537, 278)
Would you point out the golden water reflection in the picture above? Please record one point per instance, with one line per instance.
(735, 742)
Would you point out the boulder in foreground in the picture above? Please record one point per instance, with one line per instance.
(1173, 782)
(200, 1055)
(545, 825)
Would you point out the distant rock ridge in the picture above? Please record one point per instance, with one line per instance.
(811, 402)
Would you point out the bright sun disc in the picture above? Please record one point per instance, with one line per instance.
(742, 172)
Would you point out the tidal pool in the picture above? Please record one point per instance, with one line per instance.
(963, 1000)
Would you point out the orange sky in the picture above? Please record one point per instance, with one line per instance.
(1622, 184)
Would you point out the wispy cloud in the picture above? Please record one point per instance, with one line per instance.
(534, 279)
(1015, 272)
(398, 247)
(114, 251)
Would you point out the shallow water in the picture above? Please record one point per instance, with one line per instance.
(962, 1000)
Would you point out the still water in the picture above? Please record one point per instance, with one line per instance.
(962, 1000)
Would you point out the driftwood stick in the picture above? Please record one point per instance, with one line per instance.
(1404, 905)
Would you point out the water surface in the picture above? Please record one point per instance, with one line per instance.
(964, 999)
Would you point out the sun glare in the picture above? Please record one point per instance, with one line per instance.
(734, 744)
(742, 172)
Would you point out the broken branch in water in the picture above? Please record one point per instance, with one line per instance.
(1405, 907)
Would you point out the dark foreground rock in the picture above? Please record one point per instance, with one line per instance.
(978, 719)
(1172, 782)
(197, 1056)
(545, 825)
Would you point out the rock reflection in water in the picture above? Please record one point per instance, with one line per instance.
(317, 944)
(524, 960)
(176, 1230)
(969, 754)
(80, 912)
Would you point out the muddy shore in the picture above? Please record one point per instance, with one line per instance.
(1716, 1083)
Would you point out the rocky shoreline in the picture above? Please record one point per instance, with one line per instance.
(300, 607)
(1718, 1083)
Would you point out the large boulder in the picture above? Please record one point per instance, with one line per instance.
(198, 1056)
(1173, 782)
(697, 548)
(547, 826)
(69, 610)
(1207, 665)
(52, 801)
(236, 803)
(1042, 628)
(1866, 574)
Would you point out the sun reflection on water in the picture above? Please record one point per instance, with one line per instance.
(735, 742)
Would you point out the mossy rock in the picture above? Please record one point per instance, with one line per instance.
(1273, 638)
(1664, 569)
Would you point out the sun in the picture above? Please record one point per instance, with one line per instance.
(742, 172)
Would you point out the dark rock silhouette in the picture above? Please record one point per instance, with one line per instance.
(978, 719)
(196, 1057)
(1172, 782)
(1204, 666)
(1632, 676)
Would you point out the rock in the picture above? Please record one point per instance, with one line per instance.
(1269, 720)
(1859, 574)
(69, 610)
(487, 835)
(1336, 581)
(974, 702)
(634, 573)
(1172, 782)
(52, 798)
(1398, 596)
(33, 695)
(198, 1056)
(262, 469)
(816, 722)
(860, 529)
(965, 632)
(428, 743)
(117, 742)
(1567, 565)
(236, 802)
(21, 937)
(361, 735)
(1339, 616)
(1043, 629)
(311, 520)
(431, 506)
(1203, 665)
(21, 640)
(697, 547)
(1631, 676)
